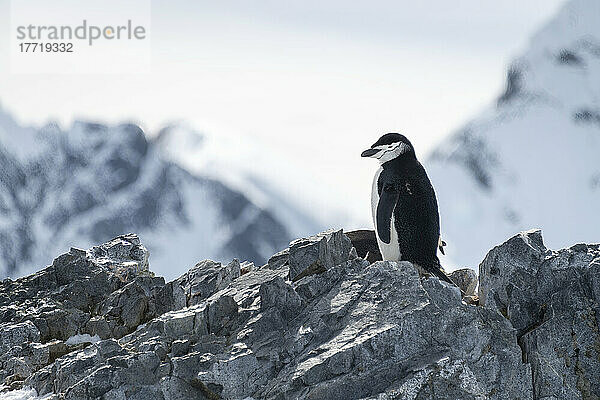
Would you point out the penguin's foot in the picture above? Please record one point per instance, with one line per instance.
(422, 272)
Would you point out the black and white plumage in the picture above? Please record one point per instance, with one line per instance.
(405, 210)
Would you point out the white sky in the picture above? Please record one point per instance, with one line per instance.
(323, 78)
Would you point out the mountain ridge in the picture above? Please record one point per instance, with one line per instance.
(530, 159)
(92, 181)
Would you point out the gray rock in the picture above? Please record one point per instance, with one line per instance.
(135, 303)
(178, 389)
(107, 291)
(318, 253)
(365, 244)
(206, 278)
(552, 300)
(465, 279)
(280, 259)
(278, 294)
(349, 330)
(220, 313)
(124, 255)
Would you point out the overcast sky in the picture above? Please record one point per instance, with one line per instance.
(308, 68)
(323, 78)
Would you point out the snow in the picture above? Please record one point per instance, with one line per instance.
(22, 143)
(176, 246)
(85, 338)
(543, 160)
(203, 235)
(275, 179)
(25, 393)
(543, 168)
(184, 218)
(543, 164)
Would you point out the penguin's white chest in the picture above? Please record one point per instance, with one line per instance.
(389, 251)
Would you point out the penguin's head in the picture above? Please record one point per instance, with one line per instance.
(389, 147)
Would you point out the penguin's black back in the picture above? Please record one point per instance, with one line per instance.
(416, 215)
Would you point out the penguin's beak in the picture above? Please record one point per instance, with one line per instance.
(369, 152)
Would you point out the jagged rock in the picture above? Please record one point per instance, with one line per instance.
(246, 267)
(278, 294)
(365, 243)
(107, 290)
(465, 279)
(280, 259)
(220, 313)
(318, 253)
(552, 299)
(137, 302)
(206, 278)
(349, 330)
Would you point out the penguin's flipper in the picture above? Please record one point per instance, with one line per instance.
(441, 245)
(385, 209)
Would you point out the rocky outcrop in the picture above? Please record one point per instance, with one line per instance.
(316, 322)
(552, 301)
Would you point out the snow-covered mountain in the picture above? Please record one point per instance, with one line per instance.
(62, 188)
(532, 159)
(269, 177)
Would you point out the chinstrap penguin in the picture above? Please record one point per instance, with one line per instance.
(404, 206)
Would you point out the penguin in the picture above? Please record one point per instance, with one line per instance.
(404, 206)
